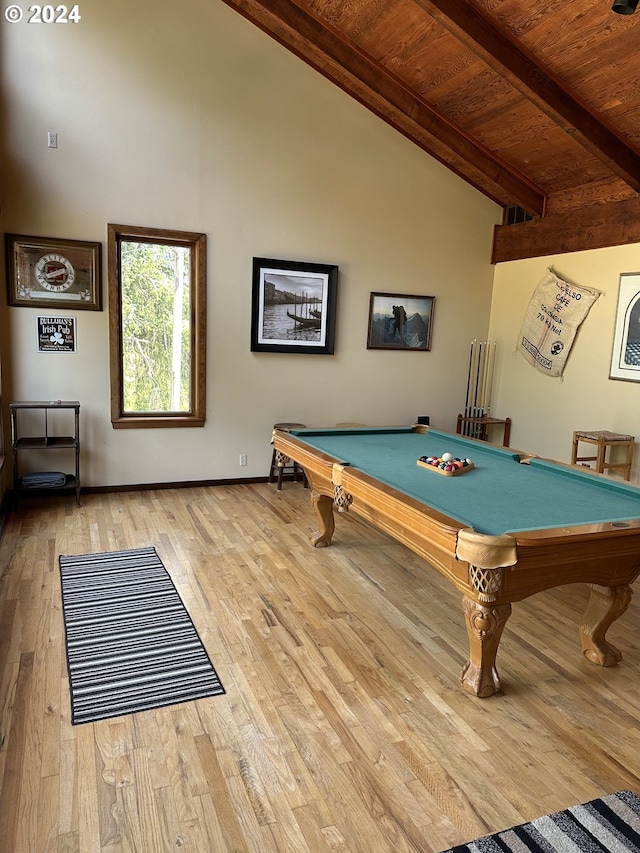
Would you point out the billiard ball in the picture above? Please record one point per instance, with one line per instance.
(446, 457)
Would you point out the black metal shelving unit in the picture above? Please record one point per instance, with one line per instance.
(45, 440)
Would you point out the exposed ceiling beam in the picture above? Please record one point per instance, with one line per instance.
(614, 224)
(549, 95)
(341, 61)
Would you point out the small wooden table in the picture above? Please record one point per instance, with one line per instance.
(483, 423)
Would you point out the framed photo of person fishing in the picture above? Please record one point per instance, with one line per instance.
(400, 322)
(293, 306)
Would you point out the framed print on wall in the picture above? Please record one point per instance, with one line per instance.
(625, 357)
(400, 322)
(56, 334)
(293, 306)
(44, 272)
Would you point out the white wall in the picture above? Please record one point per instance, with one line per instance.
(546, 411)
(185, 116)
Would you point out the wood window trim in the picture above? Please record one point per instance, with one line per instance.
(197, 243)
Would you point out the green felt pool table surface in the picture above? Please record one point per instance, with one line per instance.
(499, 495)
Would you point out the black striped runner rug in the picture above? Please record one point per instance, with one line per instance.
(610, 823)
(131, 644)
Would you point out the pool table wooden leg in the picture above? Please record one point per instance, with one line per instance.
(606, 604)
(485, 624)
(323, 507)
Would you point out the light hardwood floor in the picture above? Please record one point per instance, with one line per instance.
(343, 727)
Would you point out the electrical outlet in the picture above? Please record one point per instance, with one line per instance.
(52, 140)
(243, 458)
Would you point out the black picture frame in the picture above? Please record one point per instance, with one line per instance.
(283, 316)
(56, 334)
(400, 322)
(625, 355)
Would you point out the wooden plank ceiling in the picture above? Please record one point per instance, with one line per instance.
(536, 103)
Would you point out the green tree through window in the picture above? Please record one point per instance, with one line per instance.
(157, 322)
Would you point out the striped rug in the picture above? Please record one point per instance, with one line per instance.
(611, 824)
(131, 645)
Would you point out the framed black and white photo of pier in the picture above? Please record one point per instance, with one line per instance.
(293, 306)
(400, 322)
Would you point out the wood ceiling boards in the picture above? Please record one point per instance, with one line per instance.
(536, 104)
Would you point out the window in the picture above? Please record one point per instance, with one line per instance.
(157, 327)
(513, 214)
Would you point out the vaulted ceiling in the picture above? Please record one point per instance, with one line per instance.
(536, 103)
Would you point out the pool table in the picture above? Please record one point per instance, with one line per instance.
(510, 526)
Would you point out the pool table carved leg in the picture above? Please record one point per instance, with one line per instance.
(323, 507)
(606, 604)
(485, 624)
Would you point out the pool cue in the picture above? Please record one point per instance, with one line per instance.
(472, 375)
(476, 401)
(476, 385)
(491, 375)
(483, 363)
(485, 398)
(485, 377)
(465, 430)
